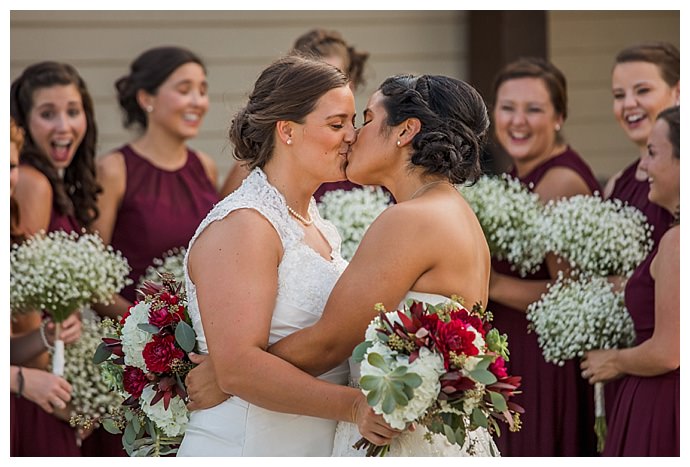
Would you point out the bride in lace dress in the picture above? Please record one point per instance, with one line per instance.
(421, 135)
(261, 266)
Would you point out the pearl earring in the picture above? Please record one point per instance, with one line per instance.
(149, 108)
(398, 143)
(289, 141)
(558, 127)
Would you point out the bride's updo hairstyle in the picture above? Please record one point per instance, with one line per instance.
(454, 123)
(287, 90)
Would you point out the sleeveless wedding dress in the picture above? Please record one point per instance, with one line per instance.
(305, 280)
(479, 443)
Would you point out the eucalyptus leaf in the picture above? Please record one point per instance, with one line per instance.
(147, 327)
(484, 362)
(136, 425)
(483, 376)
(498, 401)
(184, 335)
(460, 434)
(130, 435)
(360, 351)
(110, 426)
(448, 431)
(102, 353)
(479, 418)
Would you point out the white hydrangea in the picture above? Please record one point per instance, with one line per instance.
(133, 338)
(91, 395)
(172, 262)
(429, 366)
(352, 212)
(173, 421)
(62, 272)
(512, 219)
(601, 237)
(575, 316)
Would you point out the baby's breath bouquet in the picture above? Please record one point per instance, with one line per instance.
(62, 272)
(512, 219)
(597, 236)
(352, 212)
(577, 315)
(91, 397)
(172, 262)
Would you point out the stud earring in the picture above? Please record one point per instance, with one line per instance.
(558, 127)
(149, 108)
(289, 141)
(398, 143)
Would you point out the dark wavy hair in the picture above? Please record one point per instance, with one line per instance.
(320, 43)
(148, 71)
(287, 90)
(76, 193)
(16, 235)
(454, 123)
(664, 55)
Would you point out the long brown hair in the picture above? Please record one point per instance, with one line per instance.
(76, 193)
(16, 234)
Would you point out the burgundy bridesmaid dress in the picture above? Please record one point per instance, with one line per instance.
(558, 403)
(160, 210)
(34, 432)
(644, 419)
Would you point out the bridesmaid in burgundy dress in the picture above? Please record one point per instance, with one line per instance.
(645, 80)
(156, 190)
(530, 108)
(330, 47)
(645, 419)
(56, 190)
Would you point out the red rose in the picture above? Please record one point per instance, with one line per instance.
(161, 318)
(455, 337)
(134, 380)
(498, 368)
(160, 352)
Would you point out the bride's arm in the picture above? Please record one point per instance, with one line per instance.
(378, 273)
(234, 265)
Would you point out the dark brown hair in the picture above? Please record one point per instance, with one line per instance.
(287, 90)
(148, 71)
(76, 193)
(662, 54)
(454, 122)
(16, 138)
(321, 43)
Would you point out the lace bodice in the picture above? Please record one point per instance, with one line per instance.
(305, 278)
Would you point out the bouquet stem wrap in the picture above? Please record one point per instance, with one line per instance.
(59, 353)
(599, 416)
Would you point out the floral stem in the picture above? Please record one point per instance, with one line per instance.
(59, 353)
(599, 416)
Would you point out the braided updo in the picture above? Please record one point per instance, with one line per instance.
(454, 123)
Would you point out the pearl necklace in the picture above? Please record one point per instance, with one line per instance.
(299, 217)
(428, 185)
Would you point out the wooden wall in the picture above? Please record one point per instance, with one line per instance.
(236, 46)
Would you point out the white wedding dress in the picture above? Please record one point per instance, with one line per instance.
(479, 443)
(305, 280)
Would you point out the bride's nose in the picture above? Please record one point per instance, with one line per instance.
(350, 135)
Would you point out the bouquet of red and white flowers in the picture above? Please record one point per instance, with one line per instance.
(146, 359)
(440, 366)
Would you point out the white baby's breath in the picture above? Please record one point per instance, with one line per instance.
(62, 272)
(91, 396)
(575, 316)
(172, 262)
(352, 212)
(512, 219)
(596, 236)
